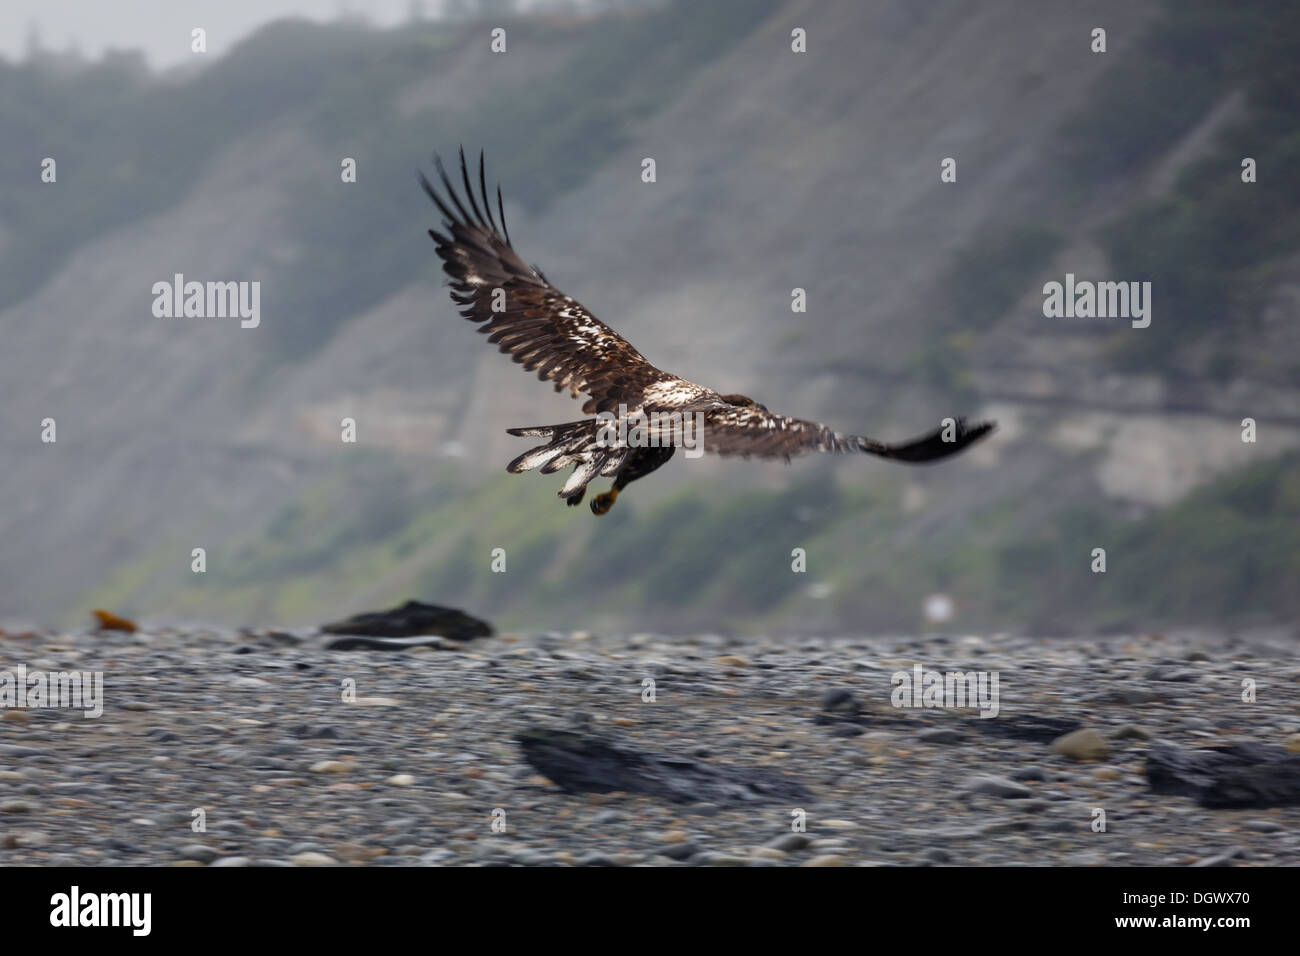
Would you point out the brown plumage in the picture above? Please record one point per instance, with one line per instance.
(550, 333)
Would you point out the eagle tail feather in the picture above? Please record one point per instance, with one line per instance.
(573, 443)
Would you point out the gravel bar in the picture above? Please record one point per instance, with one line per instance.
(224, 748)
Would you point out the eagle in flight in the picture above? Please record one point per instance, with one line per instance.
(549, 333)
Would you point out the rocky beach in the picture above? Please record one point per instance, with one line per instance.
(270, 747)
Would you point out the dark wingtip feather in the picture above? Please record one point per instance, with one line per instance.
(424, 183)
(932, 447)
(482, 185)
(501, 210)
(433, 194)
(446, 182)
(469, 190)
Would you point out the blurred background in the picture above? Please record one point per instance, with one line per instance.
(776, 171)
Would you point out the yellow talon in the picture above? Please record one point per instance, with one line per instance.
(602, 503)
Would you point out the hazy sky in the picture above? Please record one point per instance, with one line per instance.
(161, 28)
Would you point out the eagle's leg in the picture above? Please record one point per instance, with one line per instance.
(640, 463)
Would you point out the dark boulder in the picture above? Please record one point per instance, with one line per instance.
(413, 619)
(1244, 775)
(580, 762)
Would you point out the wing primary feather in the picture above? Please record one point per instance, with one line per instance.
(541, 329)
(501, 209)
(482, 185)
(464, 215)
(469, 190)
(437, 200)
(427, 186)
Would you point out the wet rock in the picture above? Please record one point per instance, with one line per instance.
(1247, 774)
(587, 763)
(413, 619)
(1028, 727)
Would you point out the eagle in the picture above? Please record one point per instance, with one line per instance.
(641, 414)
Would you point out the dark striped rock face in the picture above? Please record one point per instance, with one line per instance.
(580, 762)
(1242, 775)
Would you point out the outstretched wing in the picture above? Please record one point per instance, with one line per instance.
(529, 319)
(741, 430)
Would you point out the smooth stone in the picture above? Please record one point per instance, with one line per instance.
(998, 787)
(312, 859)
(250, 683)
(197, 851)
(1082, 745)
(790, 842)
(331, 766)
(680, 851)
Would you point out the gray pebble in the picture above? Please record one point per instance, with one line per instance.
(998, 787)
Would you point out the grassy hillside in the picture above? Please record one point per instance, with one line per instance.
(701, 558)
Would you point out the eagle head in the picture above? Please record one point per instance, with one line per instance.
(744, 401)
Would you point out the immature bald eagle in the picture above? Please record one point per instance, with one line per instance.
(546, 331)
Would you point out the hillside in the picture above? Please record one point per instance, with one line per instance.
(776, 170)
